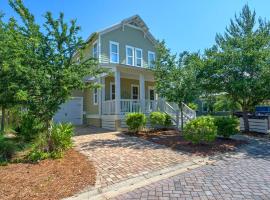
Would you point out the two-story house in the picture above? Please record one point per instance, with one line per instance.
(128, 50)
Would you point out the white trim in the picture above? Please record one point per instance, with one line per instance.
(133, 55)
(117, 44)
(95, 94)
(136, 64)
(131, 93)
(112, 83)
(153, 53)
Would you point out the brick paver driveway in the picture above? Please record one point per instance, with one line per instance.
(245, 176)
(118, 157)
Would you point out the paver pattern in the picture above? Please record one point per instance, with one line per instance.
(244, 177)
(118, 157)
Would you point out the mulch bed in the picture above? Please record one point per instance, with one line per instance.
(175, 140)
(48, 179)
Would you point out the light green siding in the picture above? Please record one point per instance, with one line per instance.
(127, 36)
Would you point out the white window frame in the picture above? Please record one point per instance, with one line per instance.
(149, 63)
(133, 86)
(95, 96)
(111, 94)
(127, 56)
(93, 50)
(117, 44)
(136, 64)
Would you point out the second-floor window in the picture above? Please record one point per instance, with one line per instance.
(95, 50)
(114, 52)
(138, 57)
(129, 55)
(151, 59)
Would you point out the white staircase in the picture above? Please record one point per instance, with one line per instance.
(173, 110)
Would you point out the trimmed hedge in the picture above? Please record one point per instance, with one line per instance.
(160, 120)
(200, 130)
(226, 126)
(135, 121)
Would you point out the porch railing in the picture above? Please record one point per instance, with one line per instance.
(129, 105)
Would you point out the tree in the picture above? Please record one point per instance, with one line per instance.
(176, 76)
(11, 70)
(238, 63)
(52, 71)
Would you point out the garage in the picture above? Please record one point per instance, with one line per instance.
(71, 111)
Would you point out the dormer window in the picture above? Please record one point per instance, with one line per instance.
(129, 55)
(114, 52)
(151, 59)
(95, 50)
(138, 57)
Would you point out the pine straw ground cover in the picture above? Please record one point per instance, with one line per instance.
(48, 179)
(175, 140)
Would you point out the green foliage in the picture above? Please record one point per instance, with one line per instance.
(135, 121)
(238, 63)
(157, 119)
(168, 120)
(200, 130)
(226, 126)
(61, 137)
(225, 103)
(193, 106)
(176, 77)
(29, 127)
(52, 145)
(38, 63)
(7, 149)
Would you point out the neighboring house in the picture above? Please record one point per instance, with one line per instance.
(128, 50)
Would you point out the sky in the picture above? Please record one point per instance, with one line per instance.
(189, 25)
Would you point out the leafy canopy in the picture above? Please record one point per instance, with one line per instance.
(176, 77)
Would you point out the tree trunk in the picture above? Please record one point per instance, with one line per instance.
(3, 120)
(245, 119)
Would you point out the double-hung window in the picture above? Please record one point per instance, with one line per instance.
(129, 55)
(138, 57)
(114, 52)
(151, 59)
(134, 91)
(95, 96)
(95, 50)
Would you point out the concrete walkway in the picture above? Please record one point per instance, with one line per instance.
(122, 161)
(245, 175)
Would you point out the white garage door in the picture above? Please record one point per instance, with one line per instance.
(71, 111)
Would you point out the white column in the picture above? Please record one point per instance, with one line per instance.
(117, 78)
(101, 94)
(142, 92)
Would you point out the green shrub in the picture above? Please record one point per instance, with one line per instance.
(29, 127)
(61, 137)
(200, 130)
(157, 119)
(135, 121)
(226, 126)
(7, 149)
(168, 121)
(52, 144)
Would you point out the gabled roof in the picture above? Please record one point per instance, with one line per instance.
(134, 21)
